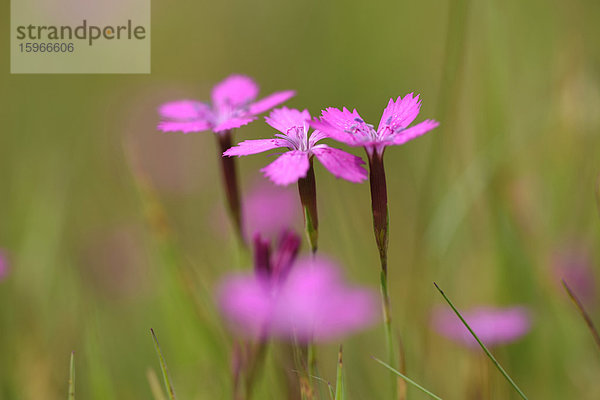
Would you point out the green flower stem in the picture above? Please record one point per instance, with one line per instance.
(256, 363)
(307, 189)
(340, 392)
(71, 395)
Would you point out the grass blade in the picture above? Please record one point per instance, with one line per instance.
(487, 352)
(329, 387)
(154, 383)
(163, 367)
(584, 314)
(407, 379)
(72, 377)
(340, 390)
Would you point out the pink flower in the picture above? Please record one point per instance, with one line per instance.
(295, 163)
(3, 265)
(233, 105)
(270, 210)
(348, 127)
(574, 266)
(311, 303)
(275, 266)
(494, 326)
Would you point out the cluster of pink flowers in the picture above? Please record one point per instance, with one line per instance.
(306, 299)
(294, 163)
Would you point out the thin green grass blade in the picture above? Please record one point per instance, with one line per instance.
(586, 317)
(163, 367)
(407, 379)
(72, 377)
(487, 352)
(331, 394)
(340, 390)
(154, 383)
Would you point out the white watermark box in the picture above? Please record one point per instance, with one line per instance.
(80, 36)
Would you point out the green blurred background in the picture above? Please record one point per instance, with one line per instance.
(112, 228)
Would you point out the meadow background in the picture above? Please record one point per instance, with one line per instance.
(112, 228)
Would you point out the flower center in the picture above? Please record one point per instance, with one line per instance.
(297, 138)
(360, 128)
(227, 111)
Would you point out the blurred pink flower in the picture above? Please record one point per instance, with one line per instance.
(574, 266)
(275, 266)
(270, 210)
(311, 303)
(494, 326)
(294, 164)
(4, 268)
(348, 127)
(233, 105)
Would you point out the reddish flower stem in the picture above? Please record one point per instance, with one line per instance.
(379, 206)
(230, 181)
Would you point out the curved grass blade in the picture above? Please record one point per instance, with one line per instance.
(72, 377)
(154, 383)
(331, 394)
(340, 389)
(584, 314)
(163, 367)
(487, 352)
(407, 379)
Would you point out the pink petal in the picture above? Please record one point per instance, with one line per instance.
(341, 164)
(236, 90)
(316, 136)
(288, 168)
(233, 123)
(271, 210)
(311, 302)
(271, 101)
(247, 304)
(184, 110)
(337, 124)
(185, 127)
(399, 114)
(248, 147)
(316, 303)
(574, 265)
(494, 326)
(414, 131)
(283, 119)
